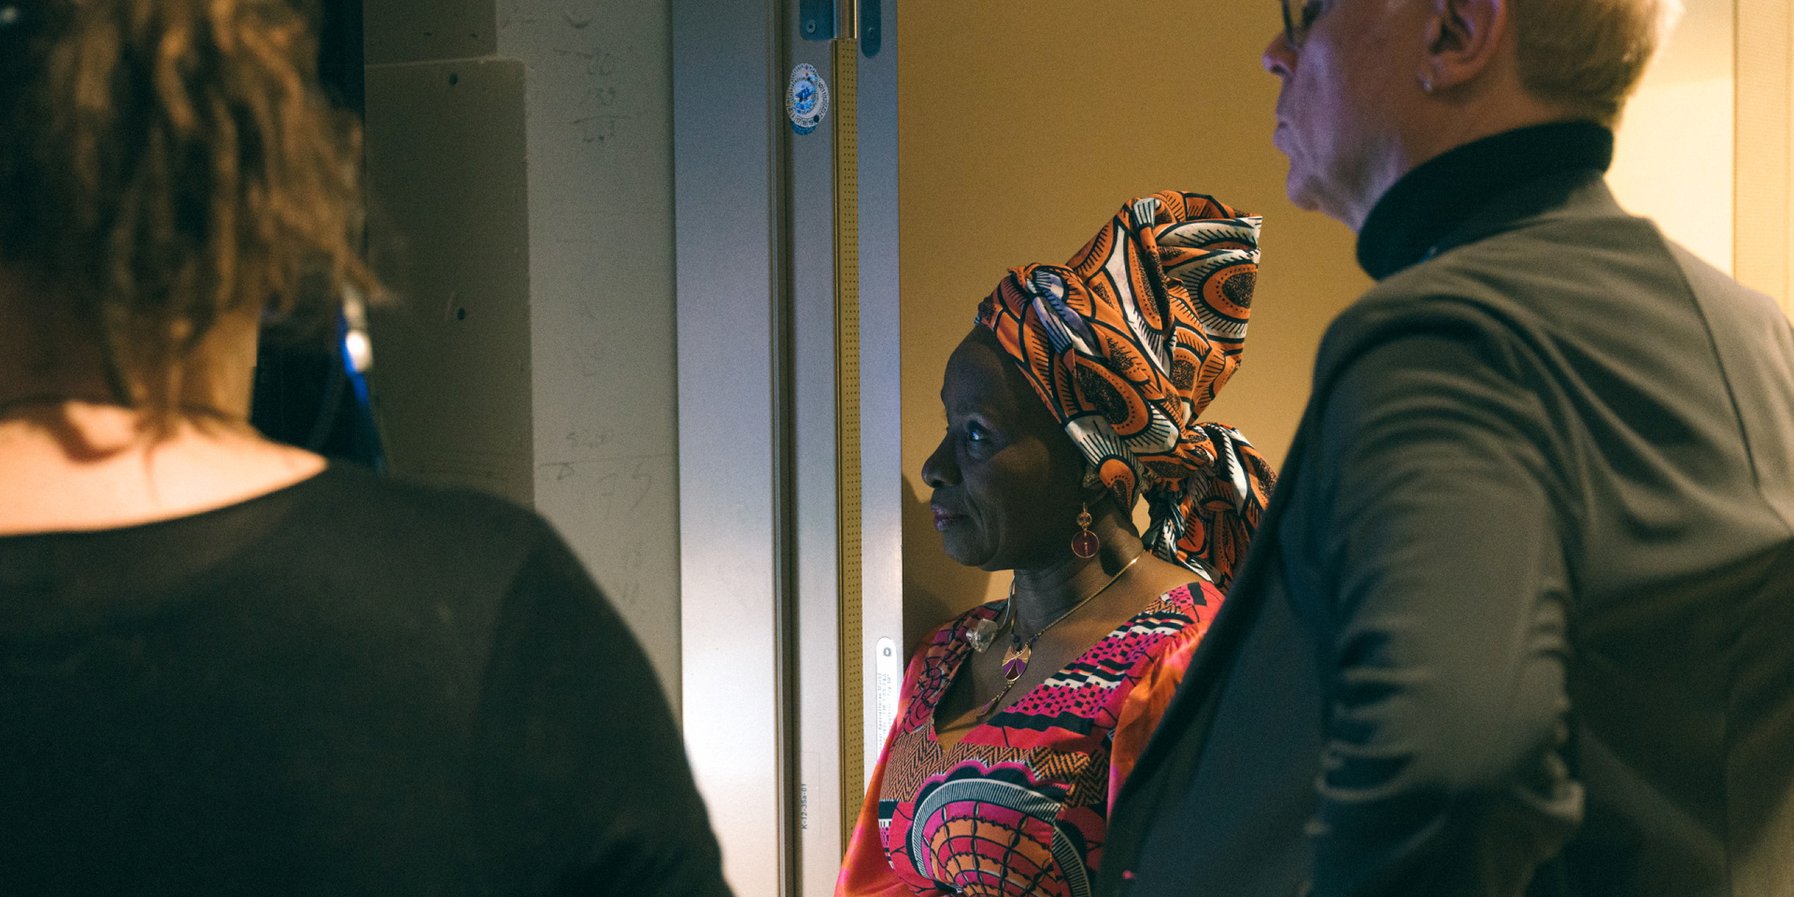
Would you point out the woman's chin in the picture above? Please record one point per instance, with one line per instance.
(963, 551)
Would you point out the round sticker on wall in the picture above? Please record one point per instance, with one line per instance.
(806, 99)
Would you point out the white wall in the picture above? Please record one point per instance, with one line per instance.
(598, 102)
(520, 154)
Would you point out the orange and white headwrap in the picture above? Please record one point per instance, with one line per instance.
(1127, 343)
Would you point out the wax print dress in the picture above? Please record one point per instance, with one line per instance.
(1020, 805)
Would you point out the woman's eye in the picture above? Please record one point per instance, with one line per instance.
(975, 433)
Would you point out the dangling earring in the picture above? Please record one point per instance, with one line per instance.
(1085, 543)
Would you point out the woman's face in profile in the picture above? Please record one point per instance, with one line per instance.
(1005, 477)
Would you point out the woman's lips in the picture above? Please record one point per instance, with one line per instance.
(944, 518)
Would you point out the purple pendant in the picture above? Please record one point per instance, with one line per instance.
(1015, 662)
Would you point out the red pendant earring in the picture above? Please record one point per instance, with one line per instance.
(1085, 543)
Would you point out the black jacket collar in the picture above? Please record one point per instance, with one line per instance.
(1409, 223)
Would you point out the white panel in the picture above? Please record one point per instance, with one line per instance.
(812, 205)
(756, 274)
(729, 498)
(445, 156)
(881, 392)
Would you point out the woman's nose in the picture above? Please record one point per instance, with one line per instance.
(939, 470)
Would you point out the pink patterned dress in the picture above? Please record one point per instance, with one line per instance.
(1020, 806)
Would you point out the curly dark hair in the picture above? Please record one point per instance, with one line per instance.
(167, 162)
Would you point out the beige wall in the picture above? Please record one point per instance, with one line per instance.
(1024, 126)
(1674, 150)
(1707, 145)
(1765, 150)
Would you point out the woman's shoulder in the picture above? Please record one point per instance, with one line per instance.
(394, 530)
(390, 509)
(347, 485)
(1178, 616)
(1197, 599)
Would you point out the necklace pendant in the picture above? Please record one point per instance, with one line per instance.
(990, 706)
(1015, 662)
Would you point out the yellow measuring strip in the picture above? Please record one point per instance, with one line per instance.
(847, 424)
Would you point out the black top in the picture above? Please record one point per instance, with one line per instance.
(348, 686)
(1406, 226)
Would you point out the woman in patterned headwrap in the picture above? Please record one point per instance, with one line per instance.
(1019, 719)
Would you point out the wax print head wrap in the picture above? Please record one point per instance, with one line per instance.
(1126, 343)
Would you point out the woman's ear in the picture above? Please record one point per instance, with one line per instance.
(1096, 494)
(1092, 486)
(1098, 497)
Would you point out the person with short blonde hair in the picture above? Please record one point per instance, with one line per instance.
(1516, 621)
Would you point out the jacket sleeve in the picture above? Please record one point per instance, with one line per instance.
(1442, 535)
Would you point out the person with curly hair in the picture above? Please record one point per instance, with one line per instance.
(226, 666)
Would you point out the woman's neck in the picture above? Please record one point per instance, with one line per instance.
(47, 353)
(1045, 592)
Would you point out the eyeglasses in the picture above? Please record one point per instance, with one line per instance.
(1296, 24)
